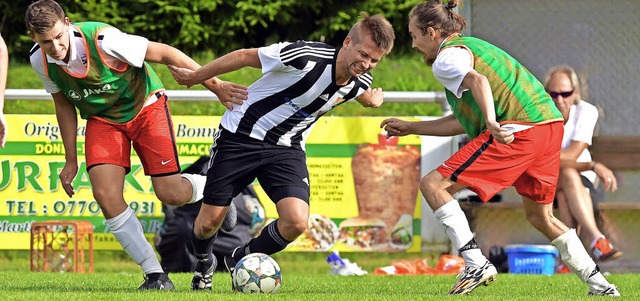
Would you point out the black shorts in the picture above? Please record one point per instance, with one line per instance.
(237, 160)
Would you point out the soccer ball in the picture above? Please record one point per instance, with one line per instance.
(257, 273)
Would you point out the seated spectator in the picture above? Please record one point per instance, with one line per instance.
(578, 172)
(173, 240)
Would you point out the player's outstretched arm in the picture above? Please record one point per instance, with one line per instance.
(371, 98)
(227, 63)
(227, 92)
(445, 126)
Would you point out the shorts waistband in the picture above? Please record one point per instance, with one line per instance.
(154, 97)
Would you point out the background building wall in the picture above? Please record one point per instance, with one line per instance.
(599, 39)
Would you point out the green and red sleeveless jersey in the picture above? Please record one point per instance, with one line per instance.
(116, 94)
(518, 96)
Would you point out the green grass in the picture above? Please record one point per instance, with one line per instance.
(311, 262)
(299, 285)
(392, 74)
(305, 277)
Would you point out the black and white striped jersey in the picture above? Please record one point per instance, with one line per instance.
(297, 87)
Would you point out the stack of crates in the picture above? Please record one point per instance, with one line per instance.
(59, 246)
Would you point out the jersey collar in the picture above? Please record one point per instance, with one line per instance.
(455, 34)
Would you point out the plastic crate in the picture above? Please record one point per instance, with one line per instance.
(531, 259)
(61, 246)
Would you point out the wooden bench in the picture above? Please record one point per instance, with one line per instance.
(617, 152)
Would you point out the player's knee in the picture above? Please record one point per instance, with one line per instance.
(429, 184)
(294, 227)
(209, 225)
(299, 227)
(103, 195)
(99, 194)
(171, 197)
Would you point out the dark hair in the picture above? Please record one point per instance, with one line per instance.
(378, 27)
(42, 15)
(439, 15)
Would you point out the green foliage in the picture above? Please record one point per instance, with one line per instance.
(340, 17)
(177, 23)
(219, 26)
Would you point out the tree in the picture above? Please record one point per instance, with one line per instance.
(218, 25)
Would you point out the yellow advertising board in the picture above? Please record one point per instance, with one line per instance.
(363, 188)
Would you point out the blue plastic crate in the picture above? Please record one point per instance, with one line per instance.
(531, 259)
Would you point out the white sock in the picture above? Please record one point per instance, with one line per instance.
(575, 256)
(452, 219)
(128, 231)
(197, 184)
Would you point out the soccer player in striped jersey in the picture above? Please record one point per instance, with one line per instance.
(516, 132)
(104, 73)
(264, 137)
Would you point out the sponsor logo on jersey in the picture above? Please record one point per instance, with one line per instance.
(88, 92)
(297, 110)
(73, 95)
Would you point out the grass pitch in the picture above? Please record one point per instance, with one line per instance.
(305, 277)
(300, 286)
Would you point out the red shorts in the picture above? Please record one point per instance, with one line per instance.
(531, 163)
(152, 136)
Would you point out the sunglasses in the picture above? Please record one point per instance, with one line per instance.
(555, 95)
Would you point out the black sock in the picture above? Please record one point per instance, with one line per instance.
(203, 248)
(472, 244)
(269, 241)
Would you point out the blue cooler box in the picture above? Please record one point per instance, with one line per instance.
(531, 259)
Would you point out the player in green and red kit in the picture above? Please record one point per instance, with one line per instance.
(104, 73)
(516, 133)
